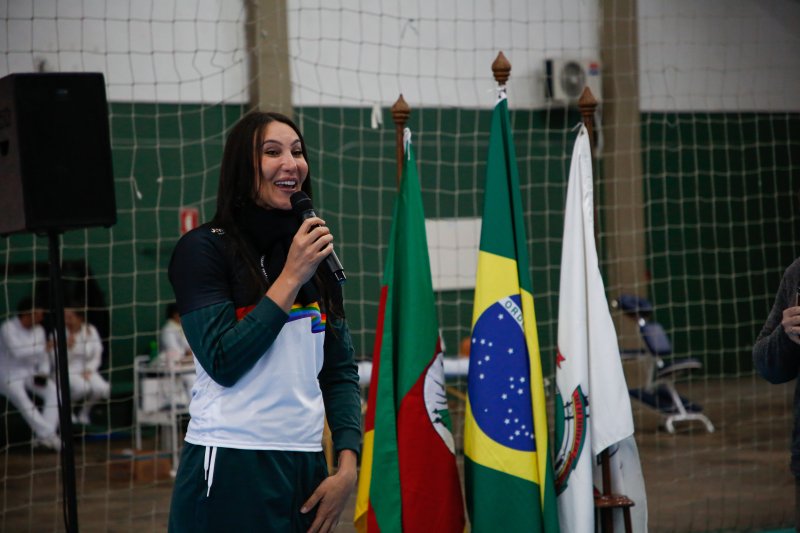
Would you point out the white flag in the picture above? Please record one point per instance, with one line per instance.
(593, 410)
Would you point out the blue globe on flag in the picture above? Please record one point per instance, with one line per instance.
(499, 376)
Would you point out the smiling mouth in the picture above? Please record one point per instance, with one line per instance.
(286, 185)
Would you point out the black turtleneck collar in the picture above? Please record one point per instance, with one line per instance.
(271, 231)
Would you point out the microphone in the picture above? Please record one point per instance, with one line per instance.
(301, 205)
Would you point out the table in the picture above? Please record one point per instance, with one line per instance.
(160, 399)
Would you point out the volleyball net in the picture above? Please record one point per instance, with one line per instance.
(696, 177)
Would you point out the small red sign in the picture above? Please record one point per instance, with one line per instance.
(189, 217)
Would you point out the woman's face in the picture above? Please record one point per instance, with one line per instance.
(283, 167)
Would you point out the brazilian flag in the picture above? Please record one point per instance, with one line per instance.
(508, 470)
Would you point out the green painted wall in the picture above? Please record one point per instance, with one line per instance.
(358, 181)
(722, 193)
(719, 190)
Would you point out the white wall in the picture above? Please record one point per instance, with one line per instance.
(735, 55)
(719, 55)
(149, 50)
(437, 53)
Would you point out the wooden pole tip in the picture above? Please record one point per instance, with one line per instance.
(400, 111)
(587, 100)
(501, 69)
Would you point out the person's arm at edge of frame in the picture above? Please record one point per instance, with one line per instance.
(776, 355)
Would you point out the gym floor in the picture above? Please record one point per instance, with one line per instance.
(735, 479)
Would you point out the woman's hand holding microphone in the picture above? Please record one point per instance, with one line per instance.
(310, 245)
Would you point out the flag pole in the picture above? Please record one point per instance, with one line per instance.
(501, 70)
(587, 104)
(400, 114)
(607, 501)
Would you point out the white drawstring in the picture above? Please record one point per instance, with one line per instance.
(208, 466)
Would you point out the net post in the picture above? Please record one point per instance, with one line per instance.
(268, 41)
(624, 220)
(400, 114)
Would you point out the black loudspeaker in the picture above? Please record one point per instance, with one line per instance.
(55, 153)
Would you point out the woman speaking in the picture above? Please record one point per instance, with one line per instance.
(265, 320)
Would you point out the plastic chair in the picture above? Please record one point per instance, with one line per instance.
(659, 392)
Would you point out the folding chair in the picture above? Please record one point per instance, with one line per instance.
(659, 392)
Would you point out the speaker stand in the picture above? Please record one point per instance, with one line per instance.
(62, 375)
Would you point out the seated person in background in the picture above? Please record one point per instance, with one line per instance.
(175, 350)
(25, 368)
(85, 353)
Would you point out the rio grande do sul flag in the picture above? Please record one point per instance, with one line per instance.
(409, 479)
(593, 410)
(507, 466)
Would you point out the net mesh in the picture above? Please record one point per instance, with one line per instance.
(703, 177)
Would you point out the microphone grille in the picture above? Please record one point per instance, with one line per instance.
(300, 202)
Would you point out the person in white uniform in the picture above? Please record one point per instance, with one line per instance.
(85, 355)
(25, 369)
(174, 346)
(174, 350)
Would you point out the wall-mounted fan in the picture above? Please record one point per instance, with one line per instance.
(566, 78)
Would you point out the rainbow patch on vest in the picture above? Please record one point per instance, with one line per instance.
(312, 311)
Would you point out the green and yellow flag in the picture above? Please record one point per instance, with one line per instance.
(508, 470)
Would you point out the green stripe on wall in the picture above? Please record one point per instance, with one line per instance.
(721, 192)
(720, 204)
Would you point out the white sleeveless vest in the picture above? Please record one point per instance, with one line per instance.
(277, 405)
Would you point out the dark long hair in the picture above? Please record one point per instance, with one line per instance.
(241, 165)
(238, 186)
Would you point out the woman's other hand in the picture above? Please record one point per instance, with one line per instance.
(332, 494)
